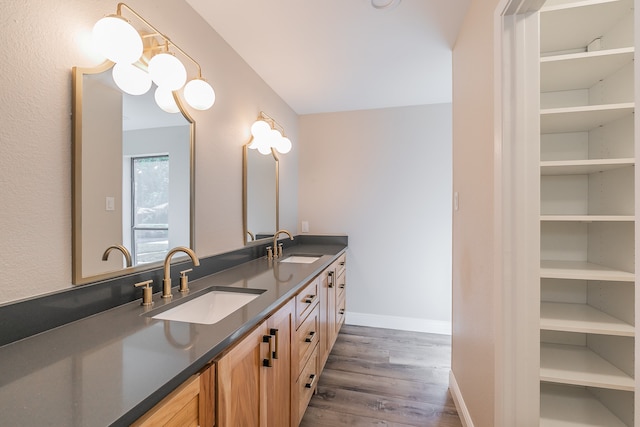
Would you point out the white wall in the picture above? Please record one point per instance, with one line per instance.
(42, 41)
(384, 178)
(474, 299)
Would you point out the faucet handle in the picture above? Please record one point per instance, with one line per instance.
(280, 246)
(184, 280)
(269, 252)
(147, 290)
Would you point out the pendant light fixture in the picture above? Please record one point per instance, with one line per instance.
(266, 134)
(141, 58)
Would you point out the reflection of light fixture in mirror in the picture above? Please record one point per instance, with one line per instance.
(131, 79)
(266, 134)
(122, 44)
(164, 99)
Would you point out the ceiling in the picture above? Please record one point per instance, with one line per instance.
(341, 55)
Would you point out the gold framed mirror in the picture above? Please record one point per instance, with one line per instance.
(133, 178)
(260, 185)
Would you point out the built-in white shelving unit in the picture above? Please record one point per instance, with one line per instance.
(582, 318)
(558, 401)
(587, 213)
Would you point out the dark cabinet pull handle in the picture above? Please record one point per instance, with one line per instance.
(268, 362)
(331, 274)
(312, 381)
(274, 333)
(342, 311)
(312, 334)
(310, 298)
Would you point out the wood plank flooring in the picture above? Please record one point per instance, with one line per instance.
(383, 377)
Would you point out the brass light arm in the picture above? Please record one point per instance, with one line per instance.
(265, 117)
(158, 33)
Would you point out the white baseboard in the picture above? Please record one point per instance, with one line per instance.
(396, 322)
(463, 412)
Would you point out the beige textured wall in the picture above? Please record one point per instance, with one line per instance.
(42, 41)
(473, 351)
(384, 178)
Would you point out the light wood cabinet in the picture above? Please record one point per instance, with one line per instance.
(268, 377)
(305, 366)
(332, 287)
(587, 213)
(254, 377)
(280, 326)
(190, 405)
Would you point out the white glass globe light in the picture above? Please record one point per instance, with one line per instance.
(164, 99)
(264, 148)
(283, 145)
(131, 79)
(117, 40)
(199, 94)
(167, 71)
(254, 143)
(274, 137)
(260, 128)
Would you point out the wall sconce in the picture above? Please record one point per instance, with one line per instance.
(141, 58)
(266, 134)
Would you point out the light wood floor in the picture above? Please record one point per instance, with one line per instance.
(383, 377)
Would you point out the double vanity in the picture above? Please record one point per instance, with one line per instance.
(245, 344)
(238, 338)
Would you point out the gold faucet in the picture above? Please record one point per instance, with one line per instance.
(125, 252)
(166, 282)
(278, 253)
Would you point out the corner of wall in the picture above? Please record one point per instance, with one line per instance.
(458, 400)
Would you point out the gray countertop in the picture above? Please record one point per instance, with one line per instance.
(112, 367)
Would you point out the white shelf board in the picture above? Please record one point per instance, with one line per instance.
(573, 406)
(582, 119)
(581, 270)
(581, 70)
(582, 318)
(583, 167)
(578, 365)
(589, 20)
(588, 218)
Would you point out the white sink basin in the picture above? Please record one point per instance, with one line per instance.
(209, 308)
(301, 259)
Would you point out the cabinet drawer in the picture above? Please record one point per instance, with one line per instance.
(341, 264)
(341, 285)
(307, 383)
(340, 311)
(307, 338)
(306, 300)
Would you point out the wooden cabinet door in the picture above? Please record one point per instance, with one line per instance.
(241, 382)
(278, 382)
(254, 378)
(323, 342)
(178, 409)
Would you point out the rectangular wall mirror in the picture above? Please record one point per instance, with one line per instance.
(261, 195)
(133, 178)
